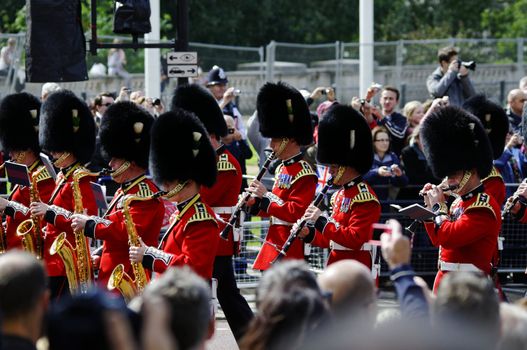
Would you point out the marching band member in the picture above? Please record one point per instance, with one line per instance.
(67, 132)
(19, 118)
(284, 117)
(125, 140)
(222, 198)
(345, 144)
(181, 160)
(456, 146)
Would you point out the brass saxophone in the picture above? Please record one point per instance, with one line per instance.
(31, 230)
(119, 278)
(77, 261)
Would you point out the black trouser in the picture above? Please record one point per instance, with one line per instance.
(59, 287)
(233, 304)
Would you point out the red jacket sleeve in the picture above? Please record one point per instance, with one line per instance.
(63, 222)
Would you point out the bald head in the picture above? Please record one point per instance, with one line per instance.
(516, 99)
(351, 285)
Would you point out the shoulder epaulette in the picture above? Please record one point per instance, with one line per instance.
(482, 201)
(43, 174)
(333, 198)
(144, 190)
(201, 214)
(364, 194)
(307, 170)
(493, 173)
(224, 164)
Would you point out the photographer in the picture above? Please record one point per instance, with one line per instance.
(450, 78)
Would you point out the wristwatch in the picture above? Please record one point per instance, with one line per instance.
(440, 209)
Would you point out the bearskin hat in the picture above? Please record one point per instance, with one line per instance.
(454, 140)
(181, 150)
(66, 125)
(198, 100)
(493, 118)
(283, 113)
(19, 119)
(344, 138)
(125, 133)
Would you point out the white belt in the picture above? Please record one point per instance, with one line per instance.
(335, 246)
(276, 221)
(223, 210)
(459, 267)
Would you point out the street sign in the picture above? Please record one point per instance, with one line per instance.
(183, 71)
(182, 58)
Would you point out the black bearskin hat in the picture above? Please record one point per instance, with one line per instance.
(344, 138)
(181, 150)
(125, 133)
(283, 113)
(19, 119)
(66, 125)
(493, 118)
(198, 100)
(454, 140)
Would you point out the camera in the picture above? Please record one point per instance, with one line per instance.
(236, 92)
(467, 64)
(156, 102)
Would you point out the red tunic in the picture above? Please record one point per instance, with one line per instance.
(60, 211)
(147, 217)
(191, 240)
(470, 236)
(495, 186)
(224, 194)
(293, 191)
(355, 209)
(18, 208)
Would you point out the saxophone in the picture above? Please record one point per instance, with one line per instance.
(119, 278)
(31, 230)
(77, 261)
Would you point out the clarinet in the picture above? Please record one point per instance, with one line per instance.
(243, 199)
(511, 202)
(295, 232)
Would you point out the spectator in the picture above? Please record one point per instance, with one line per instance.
(101, 102)
(48, 89)
(386, 175)
(450, 78)
(7, 57)
(24, 299)
(512, 164)
(413, 111)
(513, 319)
(290, 307)
(191, 311)
(394, 122)
(515, 101)
(116, 63)
(238, 146)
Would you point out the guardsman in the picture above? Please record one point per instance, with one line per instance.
(19, 118)
(345, 145)
(495, 122)
(125, 140)
(457, 147)
(181, 160)
(284, 117)
(67, 132)
(222, 198)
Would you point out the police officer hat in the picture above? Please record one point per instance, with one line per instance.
(216, 76)
(283, 113)
(181, 150)
(198, 100)
(344, 138)
(493, 118)
(19, 119)
(66, 125)
(454, 140)
(125, 133)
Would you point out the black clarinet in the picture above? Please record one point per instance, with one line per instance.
(243, 199)
(295, 232)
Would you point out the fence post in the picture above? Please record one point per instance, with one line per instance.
(519, 58)
(270, 57)
(261, 68)
(338, 71)
(399, 53)
(502, 90)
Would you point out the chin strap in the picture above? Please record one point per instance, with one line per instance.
(119, 171)
(338, 175)
(464, 180)
(282, 147)
(61, 159)
(175, 190)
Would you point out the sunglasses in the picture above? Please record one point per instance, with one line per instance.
(107, 104)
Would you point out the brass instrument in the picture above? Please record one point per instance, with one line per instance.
(31, 229)
(119, 278)
(77, 261)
